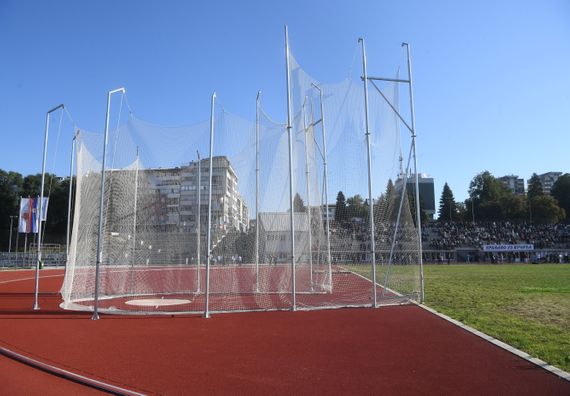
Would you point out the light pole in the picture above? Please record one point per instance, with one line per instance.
(11, 228)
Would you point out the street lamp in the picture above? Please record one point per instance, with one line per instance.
(11, 228)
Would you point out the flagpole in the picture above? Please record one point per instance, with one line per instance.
(40, 206)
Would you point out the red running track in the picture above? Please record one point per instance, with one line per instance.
(393, 350)
(232, 288)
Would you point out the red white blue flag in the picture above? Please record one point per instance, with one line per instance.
(29, 208)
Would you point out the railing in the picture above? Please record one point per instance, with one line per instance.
(29, 259)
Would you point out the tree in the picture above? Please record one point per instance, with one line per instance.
(546, 210)
(298, 204)
(32, 184)
(485, 187)
(487, 195)
(447, 205)
(9, 189)
(534, 187)
(513, 207)
(356, 207)
(561, 192)
(463, 211)
(340, 214)
(56, 223)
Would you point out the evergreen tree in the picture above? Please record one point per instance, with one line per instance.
(298, 204)
(534, 187)
(340, 214)
(447, 205)
(561, 192)
(535, 191)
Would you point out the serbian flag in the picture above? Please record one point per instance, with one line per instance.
(29, 209)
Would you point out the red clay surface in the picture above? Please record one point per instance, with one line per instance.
(392, 350)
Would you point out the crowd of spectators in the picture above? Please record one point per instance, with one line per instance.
(460, 235)
(449, 236)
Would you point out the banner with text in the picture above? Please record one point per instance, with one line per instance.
(521, 247)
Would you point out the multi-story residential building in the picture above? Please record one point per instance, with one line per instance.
(547, 180)
(177, 190)
(514, 183)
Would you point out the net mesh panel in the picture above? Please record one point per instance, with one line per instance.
(155, 223)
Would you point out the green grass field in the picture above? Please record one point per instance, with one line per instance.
(526, 306)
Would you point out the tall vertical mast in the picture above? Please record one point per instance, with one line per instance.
(308, 184)
(69, 199)
(291, 210)
(418, 213)
(198, 221)
(101, 206)
(325, 170)
(369, 158)
(41, 207)
(209, 257)
(257, 191)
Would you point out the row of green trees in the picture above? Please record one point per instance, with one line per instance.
(13, 186)
(347, 209)
(490, 200)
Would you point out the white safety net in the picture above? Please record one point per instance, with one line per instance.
(266, 246)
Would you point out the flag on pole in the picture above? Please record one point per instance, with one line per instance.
(28, 219)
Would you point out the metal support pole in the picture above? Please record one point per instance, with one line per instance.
(17, 241)
(325, 165)
(307, 181)
(135, 207)
(369, 158)
(257, 191)
(418, 213)
(291, 211)
(403, 194)
(69, 199)
(95, 315)
(25, 249)
(40, 206)
(11, 228)
(198, 220)
(134, 256)
(209, 258)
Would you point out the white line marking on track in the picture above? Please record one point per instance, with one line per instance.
(32, 278)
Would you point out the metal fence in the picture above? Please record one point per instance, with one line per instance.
(29, 259)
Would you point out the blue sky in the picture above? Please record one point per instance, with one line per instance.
(492, 80)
